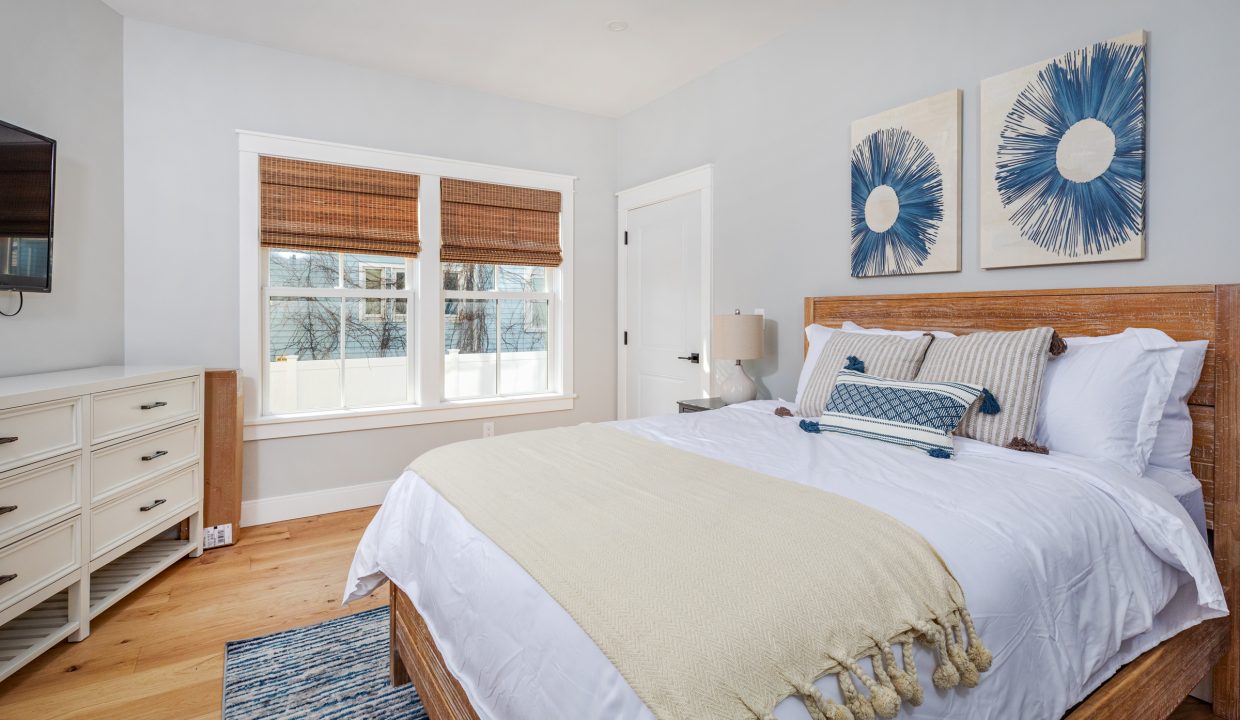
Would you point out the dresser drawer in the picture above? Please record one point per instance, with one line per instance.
(142, 509)
(130, 463)
(33, 497)
(36, 432)
(145, 407)
(29, 564)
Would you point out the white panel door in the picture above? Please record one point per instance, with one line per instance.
(663, 299)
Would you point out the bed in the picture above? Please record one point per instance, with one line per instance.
(519, 658)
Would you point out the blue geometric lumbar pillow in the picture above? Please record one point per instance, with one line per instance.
(904, 412)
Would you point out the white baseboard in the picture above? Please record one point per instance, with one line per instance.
(315, 502)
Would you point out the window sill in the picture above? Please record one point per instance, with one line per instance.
(334, 421)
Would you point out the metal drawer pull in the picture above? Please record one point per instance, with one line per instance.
(6, 578)
(6, 509)
(8, 440)
(153, 505)
(152, 456)
(152, 406)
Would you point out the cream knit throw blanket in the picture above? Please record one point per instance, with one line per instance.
(716, 591)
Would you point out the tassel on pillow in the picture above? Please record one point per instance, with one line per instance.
(855, 364)
(989, 406)
(1024, 445)
(1058, 345)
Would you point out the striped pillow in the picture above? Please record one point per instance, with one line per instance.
(888, 356)
(918, 414)
(1011, 365)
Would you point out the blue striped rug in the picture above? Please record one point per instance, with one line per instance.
(335, 670)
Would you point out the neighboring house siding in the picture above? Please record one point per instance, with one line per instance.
(309, 328)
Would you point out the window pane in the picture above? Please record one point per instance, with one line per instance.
(468, 276)
(376, 366)
(374, 272)
(304, 354)
(295, 268)
(469, 348)
(522, 278)
(523, 346)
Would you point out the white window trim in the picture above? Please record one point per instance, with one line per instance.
(426, 302)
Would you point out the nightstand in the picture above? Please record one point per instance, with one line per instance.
(700, 405)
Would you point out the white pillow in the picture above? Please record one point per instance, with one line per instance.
(1104, 397)
(1175, 431)
(817, 335)
(850, 326)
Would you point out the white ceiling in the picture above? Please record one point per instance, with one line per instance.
(557, 52)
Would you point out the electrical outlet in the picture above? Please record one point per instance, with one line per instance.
(217, 535)
(488, 429)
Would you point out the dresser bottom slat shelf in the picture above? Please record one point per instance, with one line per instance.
(118, 578)
(35, 630)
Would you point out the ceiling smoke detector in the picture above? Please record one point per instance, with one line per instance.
(617, 26)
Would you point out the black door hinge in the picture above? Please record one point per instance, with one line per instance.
(626, 337)
(626, 237)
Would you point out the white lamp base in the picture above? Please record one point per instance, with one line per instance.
(739, 387)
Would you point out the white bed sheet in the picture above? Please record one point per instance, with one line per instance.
(1070, 569)
(1187, 491)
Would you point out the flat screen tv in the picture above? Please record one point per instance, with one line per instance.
(27, 191)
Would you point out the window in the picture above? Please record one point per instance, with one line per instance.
(396, 289)
(336, 340)
(375, 275)
(495, 330)
(500, 250)
(339, 243)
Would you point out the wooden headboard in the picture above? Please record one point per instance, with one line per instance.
(1185, 312)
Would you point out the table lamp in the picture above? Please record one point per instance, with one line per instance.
(737, 337)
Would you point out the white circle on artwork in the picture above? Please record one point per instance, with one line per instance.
(1085, 151)
(882, 207)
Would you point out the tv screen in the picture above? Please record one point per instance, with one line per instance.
(27, 190)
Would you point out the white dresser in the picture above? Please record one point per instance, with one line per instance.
(99, 468)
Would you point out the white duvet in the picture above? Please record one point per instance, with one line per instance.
(1070, 568)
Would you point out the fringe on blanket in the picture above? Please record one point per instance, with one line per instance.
(892, 683)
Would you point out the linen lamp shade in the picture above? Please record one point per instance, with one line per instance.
(737, 337)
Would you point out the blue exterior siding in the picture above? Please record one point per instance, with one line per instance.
(310, 328)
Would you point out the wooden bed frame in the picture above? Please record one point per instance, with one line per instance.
(1149, 687)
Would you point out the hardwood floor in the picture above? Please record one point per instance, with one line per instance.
(159, 653)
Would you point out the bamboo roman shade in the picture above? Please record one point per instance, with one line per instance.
(336, 208)
(500, 224)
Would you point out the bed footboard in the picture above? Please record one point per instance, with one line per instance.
(415, 658)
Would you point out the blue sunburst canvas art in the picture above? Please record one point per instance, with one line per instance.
(906, 189)
(1063, 158)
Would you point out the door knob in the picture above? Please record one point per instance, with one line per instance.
(691, 357)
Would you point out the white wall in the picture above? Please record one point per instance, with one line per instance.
(61, 77)
(185, 96)
(776, 124)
